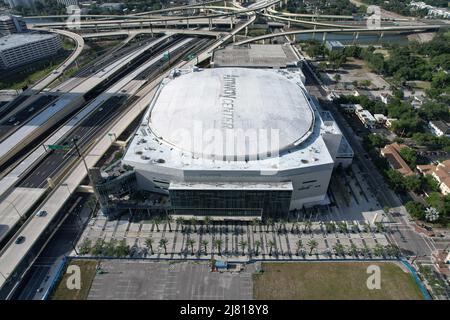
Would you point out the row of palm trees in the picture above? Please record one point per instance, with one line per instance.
(184, 225)
(218, 243)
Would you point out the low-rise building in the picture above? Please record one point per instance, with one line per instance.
(276, 56)
(334, 45)
(439, 128)
(349, 107)
(380, 118)
(68, 2)
(392, 154)
(112, 6)
(20, 49)
(440, 172)
(365, 117)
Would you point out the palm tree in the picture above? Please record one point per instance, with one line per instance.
(149, 244)
(163, 243)
(243, 244)
(312, 245)
(169, 219)
(281, 225)
(191, 243)
(294, 225)
(180, 222)
(257, 245)
(308, 225)
(157, 221)
(207, 223)
(193, 222)
(254, 224)
(299, 246)
(271, 244)
(218, 243)
(339, 249)
(353, 250)
(365, 251)
(268, 223)
(205, 246)
(378, 250)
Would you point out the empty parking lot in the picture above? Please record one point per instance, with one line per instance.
(141, 280)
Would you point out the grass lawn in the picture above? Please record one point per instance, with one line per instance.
(332, 280)
(87, 268)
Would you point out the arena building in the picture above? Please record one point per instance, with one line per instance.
(236, 142)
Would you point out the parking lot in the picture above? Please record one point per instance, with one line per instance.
(145, 280)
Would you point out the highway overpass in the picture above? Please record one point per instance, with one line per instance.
(355, 31)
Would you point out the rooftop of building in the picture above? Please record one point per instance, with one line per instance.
(392, 153)
(212, 101)
(442, 171)
(263, 108)
(255, 56)
(335, 43)
(5, 17)
(19, 39)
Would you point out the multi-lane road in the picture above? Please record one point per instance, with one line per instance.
(112, 105)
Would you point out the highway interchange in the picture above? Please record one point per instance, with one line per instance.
(105, 97)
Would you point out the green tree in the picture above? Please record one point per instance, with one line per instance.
(163, 243)
(218, 244)
(412, 183)
(191, 243)
(312, 245)
(156, 222)
(180, 222)
(271, 244)
(416, 209)
(243, 245)
(149, 244)
(205, 246)
(300, 246)
(123, 250)
(410, 156)
(257, 246)
(207, 222)
(85, 246)
(193, 222)
(396, 180)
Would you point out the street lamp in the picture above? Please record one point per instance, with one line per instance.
(91, 181)
(15, 208)
(67, 186)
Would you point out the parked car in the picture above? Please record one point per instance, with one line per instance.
(20, 239)
(41, 213)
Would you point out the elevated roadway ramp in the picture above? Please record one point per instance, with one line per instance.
(396, 29)
(133, 33)
(47, 80)
(71, 100)
(13, 196)
(12, 254)
(216, 19)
